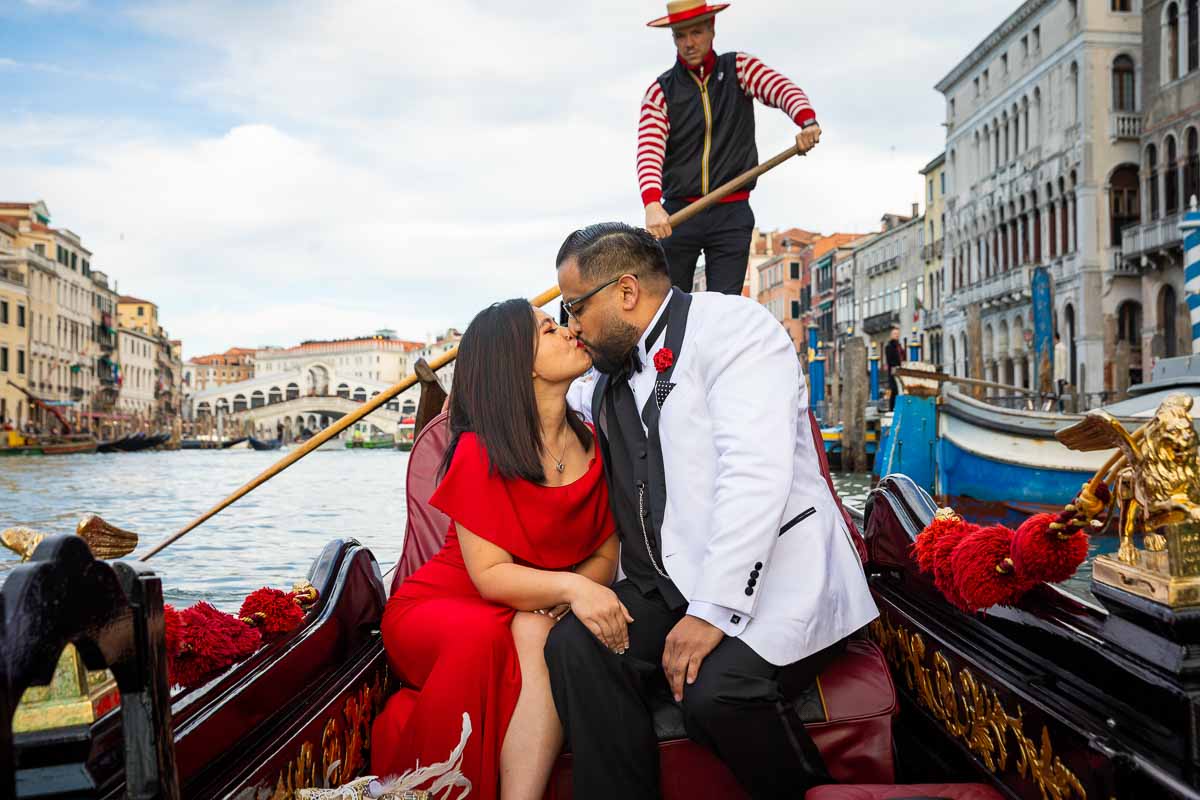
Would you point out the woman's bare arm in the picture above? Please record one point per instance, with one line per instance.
(601, 566)
(500, 580)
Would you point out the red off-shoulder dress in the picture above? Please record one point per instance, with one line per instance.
(456, 648)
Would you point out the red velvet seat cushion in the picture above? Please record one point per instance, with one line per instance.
(916, 791)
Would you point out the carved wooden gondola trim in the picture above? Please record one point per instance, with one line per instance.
(342, 753)
(973, 713)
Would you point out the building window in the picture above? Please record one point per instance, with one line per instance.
(141, 311)
(3, 312)
(1004, 62)
(1037, 38)
(20, 316)
(931, 190)
(20, 362)
(985, 80)
(1171, 44)
(943, 176)
(795, 309)
(1124, 98)
(952, 108)
(1191, 173)
(1152, 179)
(1025, 47)
(1193, 35)
(977, 87)
(1122, 5)
(3, 359)
(1171, 178)
(1123, 200)
(795, 266)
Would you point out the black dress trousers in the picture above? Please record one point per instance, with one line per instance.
(723, 234)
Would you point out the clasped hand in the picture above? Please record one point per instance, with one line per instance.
(687, 645)
(602, 613)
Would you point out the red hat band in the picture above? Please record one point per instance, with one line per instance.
(681, 11)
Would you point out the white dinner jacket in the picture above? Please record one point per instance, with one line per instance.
(749, 523)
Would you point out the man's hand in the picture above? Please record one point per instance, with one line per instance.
(688, 644)
(806, 140)
(658, 221)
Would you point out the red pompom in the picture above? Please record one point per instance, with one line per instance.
(1040, 554)
(210, 642)
(923, 546)
(171, 626)
(983, 572)
(943, 571)
(272, 610)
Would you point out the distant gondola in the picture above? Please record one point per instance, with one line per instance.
(266, 444)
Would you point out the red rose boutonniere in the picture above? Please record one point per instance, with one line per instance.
(663, 359)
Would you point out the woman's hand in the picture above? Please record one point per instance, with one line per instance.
(556, 613)
(598, 608)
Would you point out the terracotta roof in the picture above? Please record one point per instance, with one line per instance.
(130, 299)
(17, 205)
(834, 241)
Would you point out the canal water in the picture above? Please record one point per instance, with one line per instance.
(269, 538)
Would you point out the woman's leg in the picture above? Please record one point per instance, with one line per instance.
(535, 737)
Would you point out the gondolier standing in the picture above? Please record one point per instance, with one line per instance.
(696, 131)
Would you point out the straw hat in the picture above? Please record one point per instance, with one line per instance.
(681, 11)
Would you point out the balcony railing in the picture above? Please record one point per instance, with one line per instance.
(879, 323)
(1125, 125)
(1122, 265)
(1150, 236)
(1006, 289)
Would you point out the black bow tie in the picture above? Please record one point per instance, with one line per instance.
(631, 366)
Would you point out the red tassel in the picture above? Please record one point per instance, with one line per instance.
(943, 570)
(983, 570)
(1042, 554)
(272, 610)
(210, 642)
(944, 522)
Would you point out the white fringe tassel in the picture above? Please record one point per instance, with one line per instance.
(446, 775)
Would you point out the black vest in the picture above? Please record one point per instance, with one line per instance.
(712, 131)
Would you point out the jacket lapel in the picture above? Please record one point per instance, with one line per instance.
(680, 306)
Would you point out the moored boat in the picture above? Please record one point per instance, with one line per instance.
(265, 444)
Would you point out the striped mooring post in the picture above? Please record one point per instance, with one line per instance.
(874, 358)
(1190, 228)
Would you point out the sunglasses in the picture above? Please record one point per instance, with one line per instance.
(574, 309)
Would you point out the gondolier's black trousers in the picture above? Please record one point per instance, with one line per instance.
(737, 707)
(723, 234)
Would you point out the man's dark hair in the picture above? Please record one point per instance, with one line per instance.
(493, 396)
(608, 249)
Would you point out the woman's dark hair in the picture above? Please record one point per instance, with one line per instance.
(493, 397)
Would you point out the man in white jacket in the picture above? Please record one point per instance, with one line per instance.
(740, 574)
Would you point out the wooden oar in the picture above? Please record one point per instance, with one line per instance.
(345, 422)
(942, 377)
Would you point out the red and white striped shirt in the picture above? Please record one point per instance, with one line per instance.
(756, 79)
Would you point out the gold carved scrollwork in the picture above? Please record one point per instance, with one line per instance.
(972, 713)
(345, 743)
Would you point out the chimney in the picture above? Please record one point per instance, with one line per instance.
(915, 207)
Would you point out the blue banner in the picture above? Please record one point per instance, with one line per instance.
(1043, 326)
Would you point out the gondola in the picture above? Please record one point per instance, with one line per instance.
(1060, 696)
(265, 444)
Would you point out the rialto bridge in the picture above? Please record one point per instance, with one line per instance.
(310, 399)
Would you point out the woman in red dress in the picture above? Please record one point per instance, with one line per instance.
(531, 538)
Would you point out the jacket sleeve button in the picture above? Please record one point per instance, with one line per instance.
(758, 565)
(749, 591)
(752, 582)
(753, 573)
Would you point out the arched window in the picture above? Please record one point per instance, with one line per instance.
(293, 391)
(1171, 43)
(360, 395)
(343, 391)
(257, 400)
(1166, 312)
(1193, 35)
(1124, 95)
(410, 407)
(1073, 88)
(275, 395)
(1152, 179)
(1171, 178)
(1191, 171)
(1123, 200)
(239, 403)
(1129, 322)
(204, 409)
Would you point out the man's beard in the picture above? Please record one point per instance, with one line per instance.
(611, 349)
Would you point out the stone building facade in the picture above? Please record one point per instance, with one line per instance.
(1040, 123)
(1154, 323)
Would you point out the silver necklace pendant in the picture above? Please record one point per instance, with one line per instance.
(560, 466)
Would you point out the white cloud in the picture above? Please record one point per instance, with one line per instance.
(402, 167)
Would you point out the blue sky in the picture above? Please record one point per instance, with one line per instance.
(272, 170)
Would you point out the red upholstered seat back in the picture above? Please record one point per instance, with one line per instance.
(425, 532)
